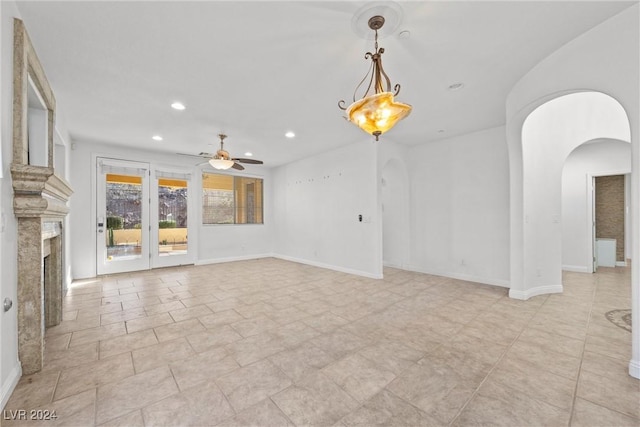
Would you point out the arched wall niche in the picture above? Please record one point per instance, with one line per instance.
(395, 213)
(550, 132)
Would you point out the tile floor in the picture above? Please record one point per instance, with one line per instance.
(274, 343)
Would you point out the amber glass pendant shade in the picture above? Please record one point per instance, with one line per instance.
(377, 113)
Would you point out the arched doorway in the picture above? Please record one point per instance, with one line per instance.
(549, 134)
(596, 160)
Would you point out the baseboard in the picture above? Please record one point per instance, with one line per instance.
(328, 266)
(231, 259)
(540, 290)
(634, 368)
(577, 269)
(10, 384)
(460, 276)
(621, 263)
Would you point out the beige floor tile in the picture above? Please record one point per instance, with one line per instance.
(208, 339)
(68, 358)
(553, 342)
(163, 308)
(294, 334)
(74, 325)
(57, 342)
(127, 343)
(254, 325)
(529, 355)
(148, 322)
(224, 305)
(77, 410)
(144, 302)
(135, 392)
(33, 391)
(265, 413)
(190, 312)
(93, 374)
(539, 384)
(251, 384)
(180, 329)
(392, 355)
(497, 405)
(133, 419)
(621, 394)
(301, 361)
(613, 347)
(315, 400)
(203, 367)
(202, 405)
(386, 409)
(339, 343)
(220, 318)
(587, 414)
(325, 322)
(121, 316)
(97, 334)
(254, 348)
(359, 377)
(435, 388)
(161, 354)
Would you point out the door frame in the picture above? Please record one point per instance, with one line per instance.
(591, 209)
(174, 260)
(142, 263)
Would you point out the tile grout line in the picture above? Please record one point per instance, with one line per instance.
(584, 346)
(495, 365)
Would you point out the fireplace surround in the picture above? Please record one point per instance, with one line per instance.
(39, 203)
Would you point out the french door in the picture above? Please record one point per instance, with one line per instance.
(142, 217)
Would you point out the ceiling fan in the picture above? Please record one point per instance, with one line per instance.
(222, 160)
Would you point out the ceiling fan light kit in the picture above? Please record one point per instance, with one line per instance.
(221, 160)
(377, 111)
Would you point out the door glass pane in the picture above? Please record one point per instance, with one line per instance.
(172, 217)
(124, 214)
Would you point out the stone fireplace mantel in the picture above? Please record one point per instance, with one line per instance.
(39, 203)
(39, 192)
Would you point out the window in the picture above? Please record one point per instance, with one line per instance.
(228, 199)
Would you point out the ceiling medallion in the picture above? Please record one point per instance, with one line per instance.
(376, 112)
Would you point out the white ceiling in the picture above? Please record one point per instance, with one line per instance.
(255, 70)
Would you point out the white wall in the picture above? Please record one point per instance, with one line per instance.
(9, 365)
(460, 207)
(316, 206)
(214, 243)
(394, 194)
(598, 158)
(605, 59)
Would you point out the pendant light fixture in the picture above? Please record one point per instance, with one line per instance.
(376, 112)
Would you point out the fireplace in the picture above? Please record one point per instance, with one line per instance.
(39, 203)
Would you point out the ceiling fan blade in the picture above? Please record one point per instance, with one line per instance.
(203, 154)
(189, 155)
(250, 161)
(238, 166)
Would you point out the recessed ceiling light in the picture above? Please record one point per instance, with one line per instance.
(178, 106)
(248, 154)
(456, 86)
(156, 138)
(290, 134)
